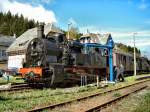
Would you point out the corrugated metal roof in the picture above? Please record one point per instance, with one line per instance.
(22, 41)
(6, 40)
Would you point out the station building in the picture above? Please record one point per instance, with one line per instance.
(5, 42)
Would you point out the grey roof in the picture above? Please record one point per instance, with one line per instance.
(103, 39)
(22, 41)
(6, 40)
(100, 39)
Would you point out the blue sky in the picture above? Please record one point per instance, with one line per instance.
(119, 17)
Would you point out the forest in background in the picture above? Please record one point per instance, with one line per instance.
(14, 24)
(127, 49)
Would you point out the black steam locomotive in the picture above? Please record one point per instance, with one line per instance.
(54, 59)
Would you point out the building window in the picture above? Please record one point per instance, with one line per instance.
(0, 53)
(3, 53)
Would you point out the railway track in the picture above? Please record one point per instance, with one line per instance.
(15, 87)
(50, 107)
(98, 108)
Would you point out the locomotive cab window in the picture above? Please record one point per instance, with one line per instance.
(60, 38)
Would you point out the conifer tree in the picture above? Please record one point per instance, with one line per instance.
(14, 24)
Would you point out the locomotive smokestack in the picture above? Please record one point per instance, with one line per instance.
(40, 30)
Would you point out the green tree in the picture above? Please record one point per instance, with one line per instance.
(128, 49)
(14, 24)
(74, 33)
(4, 29)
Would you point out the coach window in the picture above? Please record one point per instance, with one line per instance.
(97, 50)
(104, 52)
(85, 50)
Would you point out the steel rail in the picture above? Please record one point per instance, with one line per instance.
(16, 87)
(82, 98)
(111, 101)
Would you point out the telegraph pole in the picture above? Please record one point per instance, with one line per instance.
(69, 30)
(134, 54)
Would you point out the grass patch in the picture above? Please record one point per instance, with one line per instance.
(144, 105)
(116, 94)
(86, 88)
(27, 100)
(130, 79)
(12, 80)
(138, 102)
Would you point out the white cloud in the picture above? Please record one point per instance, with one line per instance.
(144, 33)
(31, 12)
(116, 32)
(141, 44)
(142, 38)
(37, 2)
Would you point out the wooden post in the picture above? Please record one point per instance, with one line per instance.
(85, 80)
(81, 81)
(97, 79)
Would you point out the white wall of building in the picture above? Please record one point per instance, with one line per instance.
(15, 61)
